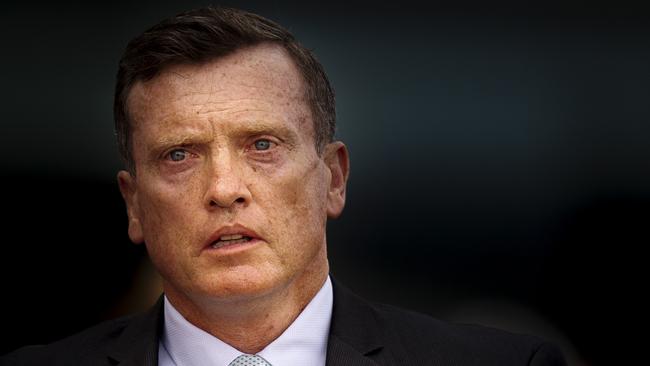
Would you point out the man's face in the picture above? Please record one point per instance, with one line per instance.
(230, 195)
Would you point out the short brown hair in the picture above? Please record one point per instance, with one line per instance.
(209, 33)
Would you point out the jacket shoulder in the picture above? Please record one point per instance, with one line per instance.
(82, 348)
(422, 336)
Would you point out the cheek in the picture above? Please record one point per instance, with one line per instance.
(304, 201)
(165, 219)
(168, 236)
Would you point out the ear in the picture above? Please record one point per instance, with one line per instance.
(338, 163)
(129, 192)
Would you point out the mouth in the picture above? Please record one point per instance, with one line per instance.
(227, 240)
(232, 238)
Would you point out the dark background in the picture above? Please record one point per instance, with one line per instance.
(500, 163)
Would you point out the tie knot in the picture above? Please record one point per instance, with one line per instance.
(249, 360)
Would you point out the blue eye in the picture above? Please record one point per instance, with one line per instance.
(177, 155)
(262, 144)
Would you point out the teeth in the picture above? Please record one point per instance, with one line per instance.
(221, 243)
(231, 237)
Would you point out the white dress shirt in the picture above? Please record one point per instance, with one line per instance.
(303, 343)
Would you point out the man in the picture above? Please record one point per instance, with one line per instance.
(226, 127)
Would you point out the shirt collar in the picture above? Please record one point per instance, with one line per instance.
(303, 342)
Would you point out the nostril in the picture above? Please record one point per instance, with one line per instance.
(215, 203)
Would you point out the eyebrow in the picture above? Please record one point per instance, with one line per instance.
(263, 128)
(183, 139)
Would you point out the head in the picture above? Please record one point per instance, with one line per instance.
(211, 33)
(226, 125)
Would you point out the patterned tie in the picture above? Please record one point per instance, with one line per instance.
(249, 360)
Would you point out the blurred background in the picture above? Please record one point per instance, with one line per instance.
(500, 163)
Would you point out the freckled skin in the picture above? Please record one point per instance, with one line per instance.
(214, 112)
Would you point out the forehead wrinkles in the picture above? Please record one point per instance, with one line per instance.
(261, 73)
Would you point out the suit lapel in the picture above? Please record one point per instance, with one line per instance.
(355, 338)
(341, 353)
(138, 343)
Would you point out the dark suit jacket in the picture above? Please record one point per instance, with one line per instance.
(361, 334)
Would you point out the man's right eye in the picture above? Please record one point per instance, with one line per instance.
(177, 155)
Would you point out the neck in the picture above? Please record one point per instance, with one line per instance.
(249, 325)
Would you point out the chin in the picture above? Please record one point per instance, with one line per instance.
(232, 285)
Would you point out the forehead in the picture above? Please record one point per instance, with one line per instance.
(260, 82)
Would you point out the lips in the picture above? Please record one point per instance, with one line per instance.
(230, 240)
(231, 235)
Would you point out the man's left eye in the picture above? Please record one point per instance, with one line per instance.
(262, 144)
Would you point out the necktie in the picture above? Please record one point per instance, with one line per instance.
(249, 360)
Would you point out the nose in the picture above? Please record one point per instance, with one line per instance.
(226, 185)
